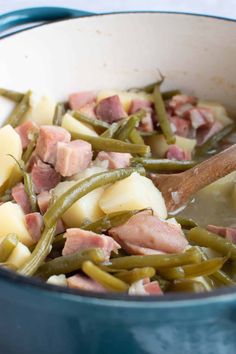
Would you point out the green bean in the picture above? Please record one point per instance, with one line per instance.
(124, 132)
(171, 273)
(30, 148)
(92, 121)
(214, 140)
(186, 224)
(7, 245)
(150, 87)
(159, 165)
(135, 137)
(207, 267)
(58, 114)
(59, 241)
(67, 199)
(169, 94)
(107, 144)
(205, 238)
(131, 276)
(42, 249)
(107, 280)
(162, 116)
(110, 132)
(17, 114)
(70, 263)
(164, 284)
(156, 260)
(187, 285)
(11, 95)
(109, 221)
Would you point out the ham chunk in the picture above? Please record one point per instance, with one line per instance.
(146, 234)
(145, 287)
(24, 130)
(80, 99)
(44, 177)
(179, 100)
(43, 200)
(20, 196)
(196, 118)
(138, 104)
(205, 133)
(82, 282)
(110, 109)
(228, 232)
(34, 223)
(49, 136)
(174, 152)
(88, 110)
(78, 239)
(73, 157)
(146, 123)
(115, 159)
(180, 126)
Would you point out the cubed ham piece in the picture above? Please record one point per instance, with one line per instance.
(88, 110)
(174, 152)
(24, 130)
(145, 287)
(43, 200)
(80, 99)
(44, 177)
(78, 239)
(205, 133)
(207, 114)
(33, 159)
(115, 159)
(49, 136)
(82, 282)
(138, 104)
(34, 223)
(145, 231)
(20, 196)
(228, 232)
(60, 228)
(181, 126)
(146, 123)
(179, 100)
(73, 157)
(110, 109)
(182, 110)
(196, 118)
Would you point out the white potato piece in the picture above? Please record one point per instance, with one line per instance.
(12, 220)
(41, 109)
(133, 192)
(19, 255)
(218, 110)
(224, 186)
(59, 280)
(125, 97)
(74, 126)
(10, 143)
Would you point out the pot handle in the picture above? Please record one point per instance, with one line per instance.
(37, 14)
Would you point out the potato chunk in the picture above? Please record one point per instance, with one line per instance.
(41, 109)
(74, 126)
(19, 255)
(12, 220)
(10, 143)
(133, 192)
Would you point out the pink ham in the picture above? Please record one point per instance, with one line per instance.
(80, 99)
(145, 287)
(34, 223)
(33, 159)
(228, 232)
(145, 231)
(24, 130)
(115, 159)
(146, 123)
(179, 100)
(43, 200)
(73, 157)
(44, 177)
(81, 282)
(196, 118)
(88, 110)
(205, 133)
(110, 109)
(78, 239)
(174, 152)
(181, 126)
(20, 196)
(49, 136)
(138, 104)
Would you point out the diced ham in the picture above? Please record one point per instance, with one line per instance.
(81, 282)
(110, 109)
(146, 123)
(60, 228)
(24, 130)
(205, 133)
(183, 109)
(44, 177)
(43, 200)
(33, 159)
(228, 232)
(73, 157)
(196, 118)
(115, 159)
(138, 104)
(34, 223)
(80, 99)
(20, 196)
(178, 100)
(49, 136)
(88, 110)
(145, 231)
(145, 287)
(181, 126)
(174, 152)
(207, 114)
(78, 239)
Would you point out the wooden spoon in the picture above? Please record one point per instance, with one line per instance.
(178, 188)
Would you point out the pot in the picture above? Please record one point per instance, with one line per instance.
(197, 54)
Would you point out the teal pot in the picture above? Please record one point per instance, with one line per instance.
(198, 55)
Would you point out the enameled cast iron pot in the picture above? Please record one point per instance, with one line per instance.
(198, 55)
